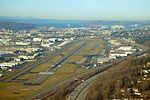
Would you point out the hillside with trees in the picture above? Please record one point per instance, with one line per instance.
(129, 79)
(15, 25)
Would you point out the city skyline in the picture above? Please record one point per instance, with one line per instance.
(77, 9)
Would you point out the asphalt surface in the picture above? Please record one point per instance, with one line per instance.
(47, 90)
(38, 79)
(80, 92)
(56, 65)
(28, 68)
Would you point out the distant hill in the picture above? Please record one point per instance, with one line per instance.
(65, 23)
(38, 21)
(45, 22)
(16, 25)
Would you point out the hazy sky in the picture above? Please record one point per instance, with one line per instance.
(77, 9)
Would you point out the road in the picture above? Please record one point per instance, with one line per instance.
(80, 92)
(47, 90)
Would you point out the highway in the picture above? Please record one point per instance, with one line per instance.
(80, 92)
(47, 91)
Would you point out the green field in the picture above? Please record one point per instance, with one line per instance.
(67, 69)
(26, 76)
